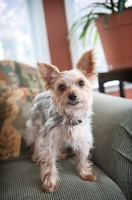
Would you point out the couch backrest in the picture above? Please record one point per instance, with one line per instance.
(112, 131)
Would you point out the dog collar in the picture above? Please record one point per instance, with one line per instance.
(74, 122)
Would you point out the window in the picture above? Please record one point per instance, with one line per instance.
(77, 46)
(20, 38)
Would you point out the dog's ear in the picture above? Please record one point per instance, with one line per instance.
(47, 74)
(86, 64)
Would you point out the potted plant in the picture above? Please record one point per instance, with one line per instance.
(114, 24)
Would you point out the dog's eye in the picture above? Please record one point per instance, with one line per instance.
(81, 83)
(62, 87)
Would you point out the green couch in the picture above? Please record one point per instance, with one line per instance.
(111, 156)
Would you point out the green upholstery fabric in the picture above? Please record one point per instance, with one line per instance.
(112, 130)
(20, 180)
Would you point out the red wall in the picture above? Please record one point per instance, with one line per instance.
(57, 33)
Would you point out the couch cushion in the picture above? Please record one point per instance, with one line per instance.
(14, 106)
(20, 180)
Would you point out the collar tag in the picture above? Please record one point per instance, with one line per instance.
(74, 122)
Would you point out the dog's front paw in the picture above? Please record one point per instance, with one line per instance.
(62, 156)
(34, 158)
(50, 184)
(87, 174)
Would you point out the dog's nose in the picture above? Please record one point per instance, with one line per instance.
(72, 97)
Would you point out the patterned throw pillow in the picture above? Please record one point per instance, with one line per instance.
(27, 76)
(14, 108)
(8, 75)
(18, 74)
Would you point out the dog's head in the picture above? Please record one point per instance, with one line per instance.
(71, 90)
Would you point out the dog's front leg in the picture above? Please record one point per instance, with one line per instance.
(84, 167)
(49, 173)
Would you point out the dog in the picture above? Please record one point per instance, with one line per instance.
(61, 117)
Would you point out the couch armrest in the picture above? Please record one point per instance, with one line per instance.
(112, 130)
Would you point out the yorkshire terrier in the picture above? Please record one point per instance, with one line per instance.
(61, 118)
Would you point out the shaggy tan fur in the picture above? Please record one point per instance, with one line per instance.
(62, 118)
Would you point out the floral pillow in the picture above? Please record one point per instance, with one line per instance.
(8, 75)
(18, 75)
(15, 109)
